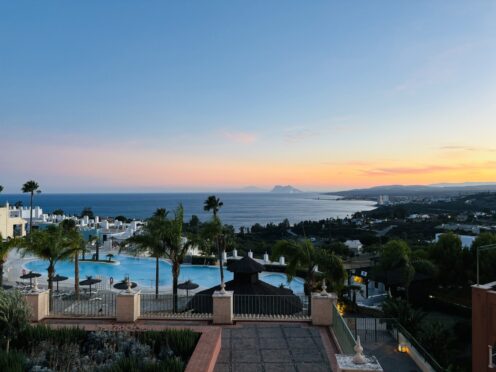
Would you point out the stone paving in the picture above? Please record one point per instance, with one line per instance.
(272, 348)
(388, 356)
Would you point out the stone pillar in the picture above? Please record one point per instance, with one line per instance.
(223, 307)
(250, 254)
(39, 303)
(128, 306)
(322, 304)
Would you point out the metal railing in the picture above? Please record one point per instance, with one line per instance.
(271, 306)
(372, 329)
(342, 332)
(387, 329)
(418, 347)
(197, 306)
(101, 304)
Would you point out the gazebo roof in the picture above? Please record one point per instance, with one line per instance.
(246, 265)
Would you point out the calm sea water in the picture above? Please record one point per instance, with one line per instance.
(240, 209)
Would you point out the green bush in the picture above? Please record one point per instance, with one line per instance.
(32, 336)
(12, 361)
(179, 342)
(136, 365)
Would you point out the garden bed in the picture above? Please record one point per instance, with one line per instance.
(41, 348)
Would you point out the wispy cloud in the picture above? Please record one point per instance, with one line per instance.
(408, 170)
(294, 135)
(240, 137)
(440, 68)
(467, 148)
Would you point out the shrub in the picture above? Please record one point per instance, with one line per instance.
(136, 365)
(12, 361)
(14, 315)
(179, 342)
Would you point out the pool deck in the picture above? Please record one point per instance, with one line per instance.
(15, 264)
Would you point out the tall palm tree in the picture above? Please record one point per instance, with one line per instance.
(212, 203)
(152, 239)
(5, 247)
(176, 248)
(77, 245)
(51, 245)
(31, 187)
(303, 256)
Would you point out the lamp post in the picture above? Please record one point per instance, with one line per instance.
(483, 248)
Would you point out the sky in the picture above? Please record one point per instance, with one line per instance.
(146, 96)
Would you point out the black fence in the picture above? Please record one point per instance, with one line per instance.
(271, 305)
(166, 305)
(101, 304)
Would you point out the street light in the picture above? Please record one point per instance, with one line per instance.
(482, 249)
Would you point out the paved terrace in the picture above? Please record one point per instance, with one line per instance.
(272, 347)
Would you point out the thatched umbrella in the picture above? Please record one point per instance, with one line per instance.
(90, 281)
(188, 285)
(125, 284)
(59, 278)
(30, 276)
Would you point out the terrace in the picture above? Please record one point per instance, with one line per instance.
(250, 337)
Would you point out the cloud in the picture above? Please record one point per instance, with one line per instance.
(408, 170)
(467, 148)
(298, 134)
(240, 137)
(440, 68)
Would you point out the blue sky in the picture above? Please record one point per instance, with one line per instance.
(155, 95)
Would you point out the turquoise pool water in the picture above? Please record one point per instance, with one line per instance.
(142, 271)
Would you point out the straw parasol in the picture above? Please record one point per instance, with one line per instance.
(31, 275)
(122, 285)
(59, 278)
(90, 281)
(188, 285)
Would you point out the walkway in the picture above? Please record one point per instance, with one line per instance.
(273, 347)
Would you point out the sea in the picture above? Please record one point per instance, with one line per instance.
(239, 209)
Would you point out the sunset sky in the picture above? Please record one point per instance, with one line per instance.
(217, 95)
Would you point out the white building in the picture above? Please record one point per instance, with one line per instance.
(383, 200)
(354, 245)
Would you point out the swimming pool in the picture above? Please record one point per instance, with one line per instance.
(142, 271)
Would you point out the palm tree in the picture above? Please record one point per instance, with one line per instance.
(152, 239)
(176, 248)
(77, 245)
(1, 188)
(5, 247)
(31, 187)
(52, 245)
(212, 203)
(304, 256)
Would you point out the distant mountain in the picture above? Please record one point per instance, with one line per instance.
(285, 189)
(417, 190)
(463, 184)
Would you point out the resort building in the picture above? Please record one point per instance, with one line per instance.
(11, 222)
(484, 327)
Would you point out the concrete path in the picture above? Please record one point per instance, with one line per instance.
(271, 348)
